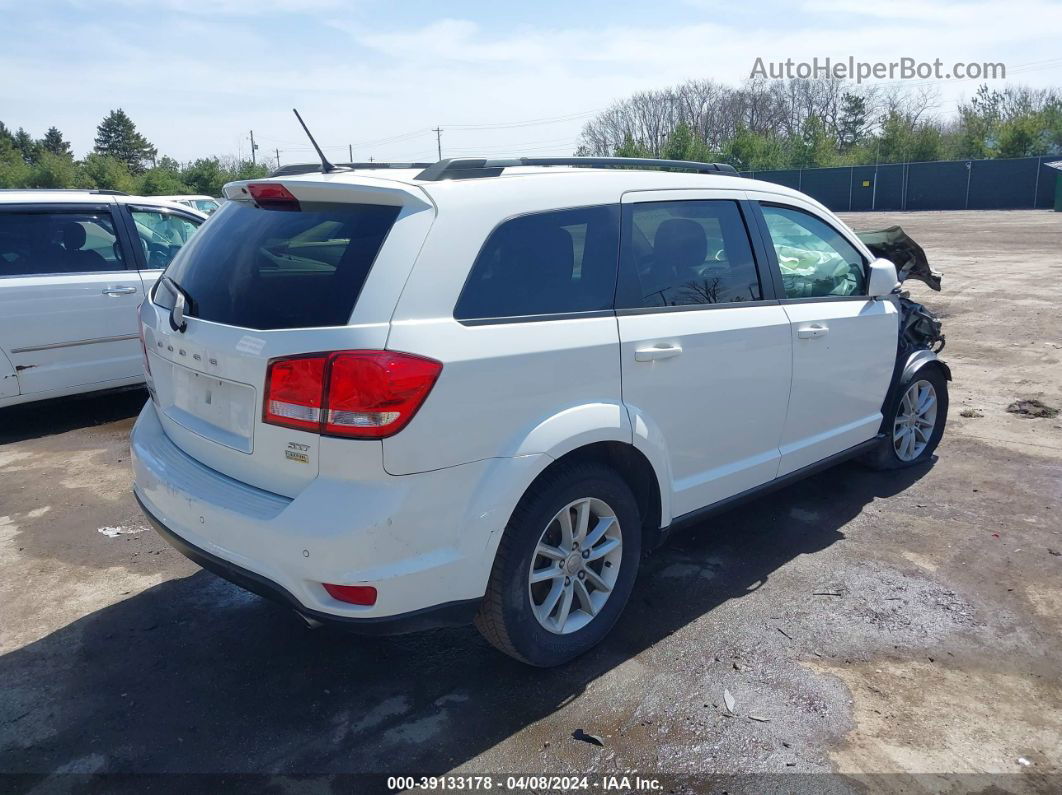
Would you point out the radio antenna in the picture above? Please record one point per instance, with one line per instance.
(326, 167)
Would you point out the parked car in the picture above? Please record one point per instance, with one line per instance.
(483, 390)
(74, 267)
(204, 204)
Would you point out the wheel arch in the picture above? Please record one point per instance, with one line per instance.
(633, 467)
(906, 367)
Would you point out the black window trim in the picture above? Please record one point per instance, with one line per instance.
(590, 313)
(42, 208)
(772, 256)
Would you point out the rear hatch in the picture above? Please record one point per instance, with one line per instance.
(314, 264)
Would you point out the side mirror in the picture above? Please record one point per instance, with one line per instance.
(883, 279)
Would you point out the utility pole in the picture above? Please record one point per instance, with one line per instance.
(438, 139)
(350, 153)
(278, 157)
(253, 147)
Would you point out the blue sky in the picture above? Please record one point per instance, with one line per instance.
(196, 75)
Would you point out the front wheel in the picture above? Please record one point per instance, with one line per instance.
(565, 566)
(915, 422)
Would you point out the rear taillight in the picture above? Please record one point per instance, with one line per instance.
(272, 196)
(358, 394)
(140, 332)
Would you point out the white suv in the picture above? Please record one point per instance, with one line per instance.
(74, 267)
(401, 398)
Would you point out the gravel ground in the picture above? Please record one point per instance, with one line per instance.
(906, 625)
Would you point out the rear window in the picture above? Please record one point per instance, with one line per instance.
(274, 269)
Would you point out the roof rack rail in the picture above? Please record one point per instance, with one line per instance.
(98, 191)
(473, 167)
(311, 168)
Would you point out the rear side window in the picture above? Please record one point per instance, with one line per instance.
(686, 253)
(43, 243)
(274, 269)
(545, 264)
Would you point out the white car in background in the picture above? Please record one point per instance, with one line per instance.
(400, 398)
(74, 268)
(204, 204)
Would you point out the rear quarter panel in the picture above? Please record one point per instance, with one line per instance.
(506, 389)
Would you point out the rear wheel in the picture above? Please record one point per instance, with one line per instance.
(915, 421)
(565, 566)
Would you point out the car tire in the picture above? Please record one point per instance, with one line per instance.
(516, 615)
(908, 441)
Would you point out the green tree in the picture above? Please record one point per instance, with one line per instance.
(748, 150)
(27, 147)
(852, 124)
(54, 171)
(684, 144)
(814, 147)
(204, 176)
(631, 148)
(54, 142)
(14, 171)
(117, 137)
(167, 163)
(161, 182)
(105, 172)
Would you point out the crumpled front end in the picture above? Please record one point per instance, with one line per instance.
(898, 248)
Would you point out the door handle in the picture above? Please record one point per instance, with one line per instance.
(120, 289)
(813, 330)
(662, 350)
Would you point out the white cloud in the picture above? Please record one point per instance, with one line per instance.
(195, 84)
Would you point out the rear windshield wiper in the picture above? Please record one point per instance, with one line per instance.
(182, 304)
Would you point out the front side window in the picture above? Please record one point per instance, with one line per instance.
(162, 235)
(814, 258)
(683, 253)
(55, 243)
(544, 264)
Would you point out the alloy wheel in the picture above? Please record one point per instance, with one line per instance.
(915, 420)
(575, 565)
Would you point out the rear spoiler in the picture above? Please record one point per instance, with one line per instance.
(909, 258)
(350, 189)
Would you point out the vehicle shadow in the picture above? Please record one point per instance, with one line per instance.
(194, 675)
(60, 415)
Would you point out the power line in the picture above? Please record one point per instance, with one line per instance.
(527, 122)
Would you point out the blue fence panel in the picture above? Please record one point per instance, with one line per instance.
(1014, 183)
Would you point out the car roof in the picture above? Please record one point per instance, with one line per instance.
(575, 185)
(90, 197)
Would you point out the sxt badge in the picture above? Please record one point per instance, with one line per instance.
(297, 452)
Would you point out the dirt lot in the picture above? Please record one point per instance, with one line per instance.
(906, 624)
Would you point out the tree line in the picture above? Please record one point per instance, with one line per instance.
(777, 124)
(122, 159)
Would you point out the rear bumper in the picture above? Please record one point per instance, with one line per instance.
(445, 615)
(426, 542)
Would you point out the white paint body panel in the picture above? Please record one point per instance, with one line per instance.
(419, 515)
(839, 379)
